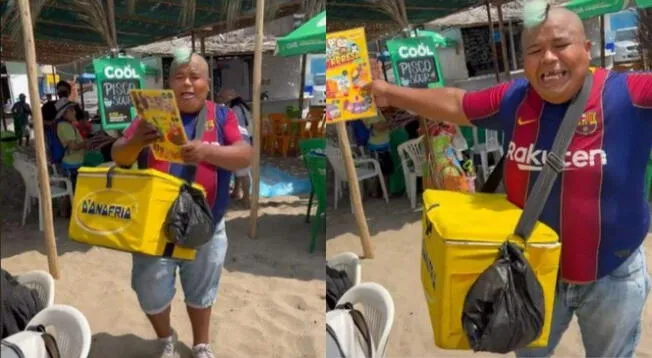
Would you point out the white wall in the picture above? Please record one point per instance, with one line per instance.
(18, 83)
(452, 59)
(281, 76)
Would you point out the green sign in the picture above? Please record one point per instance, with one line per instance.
(114, 78)
(415, 62)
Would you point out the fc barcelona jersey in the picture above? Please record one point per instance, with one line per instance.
(597, 206)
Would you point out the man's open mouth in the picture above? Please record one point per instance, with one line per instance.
(187, 95)
(553, 77)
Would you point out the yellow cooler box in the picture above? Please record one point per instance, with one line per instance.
(461, 237)
(125, 209)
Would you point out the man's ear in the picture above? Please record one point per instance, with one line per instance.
(588, 45)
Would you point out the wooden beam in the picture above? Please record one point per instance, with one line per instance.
(256, 93)
(371, 5)
(86, 27)
(503, 43)
(39, 140)
(494, 51)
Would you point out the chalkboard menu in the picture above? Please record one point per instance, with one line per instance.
(116, 102)
(417, 72)
(115, 77)
(415, 62)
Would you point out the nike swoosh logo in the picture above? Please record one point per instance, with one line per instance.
(521, 122)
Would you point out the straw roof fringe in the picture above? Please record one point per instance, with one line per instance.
(478, 15)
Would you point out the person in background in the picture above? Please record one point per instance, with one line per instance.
(71, 139)
(378, 144)
(84, 126)
(230, 98)
(21, 112)
(597, 205)
(220, 151)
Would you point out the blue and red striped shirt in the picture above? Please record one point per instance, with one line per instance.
(221, 128)
(597, 205)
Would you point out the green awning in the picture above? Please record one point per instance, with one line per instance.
(308, 38)
(439, 39)
(587, 9)
(147, 70)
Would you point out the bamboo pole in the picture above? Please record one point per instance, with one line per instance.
(258, 72)
(503, 43)
(354, 190)
(114, 33)
(202, 46)
(302, 81)
(512, 46)
(602, 50)
(494, 52)
(192, 39)
(39, 141)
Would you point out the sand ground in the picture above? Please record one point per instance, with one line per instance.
(271, 296)
(396, 236)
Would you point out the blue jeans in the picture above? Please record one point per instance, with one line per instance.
(608, 311)
(153, 278)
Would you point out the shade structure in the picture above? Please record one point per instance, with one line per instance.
(587, 9)
(308, 38)
(439, 39)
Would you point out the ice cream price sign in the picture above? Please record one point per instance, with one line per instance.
(415, 62)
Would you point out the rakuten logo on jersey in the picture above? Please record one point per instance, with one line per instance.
(531, 159)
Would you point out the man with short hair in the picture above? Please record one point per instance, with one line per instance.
(597, 205)
(220, 151)
(21, 112)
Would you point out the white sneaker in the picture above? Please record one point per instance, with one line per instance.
(169, 346)
(202, 351)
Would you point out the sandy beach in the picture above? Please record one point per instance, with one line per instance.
(396, 236)
(271, 296)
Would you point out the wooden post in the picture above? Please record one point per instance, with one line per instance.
(302, 82)
(512, 47)
(503, 43)
(258, 73)
(39, 140)
(492, 42)
(114, 33)
(602, 50)
(192, 39)
(202, 46)
(354, 190)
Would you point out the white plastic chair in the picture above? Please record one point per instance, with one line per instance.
(349, 263)
(29, 173)
(377, 309)
(413, 159)
(42, 282)
(490, 146)
(69, 327)
(366, 168)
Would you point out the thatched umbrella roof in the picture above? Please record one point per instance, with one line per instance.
(477, 16)
(66, 30)
(231, 43)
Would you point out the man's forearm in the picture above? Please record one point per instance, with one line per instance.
(230, 157)
(444, 104)
(125, 152)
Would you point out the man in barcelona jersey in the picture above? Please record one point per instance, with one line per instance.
(597, 205)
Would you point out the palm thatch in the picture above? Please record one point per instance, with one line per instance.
(395, 9)
(312, 7)
(11, 23)
(233, 10)
(95, 15)
(512, 11)
(187, 15)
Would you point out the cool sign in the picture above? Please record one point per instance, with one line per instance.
(115, 78)
(415, 62)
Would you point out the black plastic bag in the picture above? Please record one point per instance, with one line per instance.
(504, 309)
(337, 283)
(19, 304)
(189, 222)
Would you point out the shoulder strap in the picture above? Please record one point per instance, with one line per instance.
(554, 162)
(492, 183)
(190, 171)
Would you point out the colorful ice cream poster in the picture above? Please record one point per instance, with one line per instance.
(347, 71)
(159, 108)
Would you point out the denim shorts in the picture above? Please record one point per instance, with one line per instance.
(608, 311)
(154, 278)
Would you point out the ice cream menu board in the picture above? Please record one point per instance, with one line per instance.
(347, 71)
(115, 77)
(159, 108)
(415, 62)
